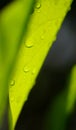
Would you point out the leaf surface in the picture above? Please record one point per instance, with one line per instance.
(47, 17)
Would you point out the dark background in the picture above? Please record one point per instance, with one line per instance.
(4, 3)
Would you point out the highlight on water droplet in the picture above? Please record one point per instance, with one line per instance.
(38, 5)
(26, 69)
(12, 83)
(29, 44)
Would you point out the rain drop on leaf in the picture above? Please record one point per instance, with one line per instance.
(12, 83)
(38, 5)
(29, 45)
(26, 69)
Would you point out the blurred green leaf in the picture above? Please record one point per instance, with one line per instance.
(62, 106)
(42, 29)
(13, 25)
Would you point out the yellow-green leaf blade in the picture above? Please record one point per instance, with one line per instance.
(42, 31)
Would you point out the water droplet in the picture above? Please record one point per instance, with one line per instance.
(38, 5)
(33, 71)
(38, 11)
(26, 69)
(29, 44)
(12, 83)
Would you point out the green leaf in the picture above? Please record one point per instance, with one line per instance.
(62, 106)
(13, 25)
(42, 29)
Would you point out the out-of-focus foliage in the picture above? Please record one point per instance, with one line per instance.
(13, 23)
(63, 105)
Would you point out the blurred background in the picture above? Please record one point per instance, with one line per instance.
(52, 78)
